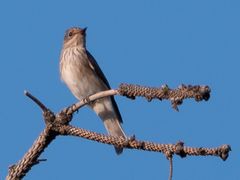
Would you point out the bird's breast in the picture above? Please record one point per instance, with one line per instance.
(77, 74)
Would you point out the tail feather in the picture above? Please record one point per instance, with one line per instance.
(114, 128)
(112, 122)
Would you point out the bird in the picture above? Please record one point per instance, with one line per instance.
(83, 76)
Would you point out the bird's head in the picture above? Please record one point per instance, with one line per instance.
(75, 37)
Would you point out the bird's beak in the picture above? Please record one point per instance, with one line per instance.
(83, 31)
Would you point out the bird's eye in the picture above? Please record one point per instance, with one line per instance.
(70, 34)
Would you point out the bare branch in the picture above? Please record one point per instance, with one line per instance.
(19, 170)
(176, 96)
(30, 159)
(133, 143)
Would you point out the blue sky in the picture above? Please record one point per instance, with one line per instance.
(141, 42)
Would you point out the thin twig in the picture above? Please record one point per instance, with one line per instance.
(170, 168)
(41, 105)
(75, 107)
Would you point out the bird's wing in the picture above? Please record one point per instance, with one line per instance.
(94, 65)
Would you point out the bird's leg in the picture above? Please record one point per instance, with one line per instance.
(70, 108)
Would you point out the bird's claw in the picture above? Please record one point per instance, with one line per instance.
(129, 140)
(86, 100)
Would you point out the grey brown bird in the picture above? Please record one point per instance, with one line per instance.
(81, 73)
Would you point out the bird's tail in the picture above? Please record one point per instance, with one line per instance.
(108, 112)
(114, 128)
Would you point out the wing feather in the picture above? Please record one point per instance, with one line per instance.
(94, 65)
